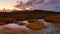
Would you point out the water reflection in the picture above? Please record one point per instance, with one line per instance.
(51, 29)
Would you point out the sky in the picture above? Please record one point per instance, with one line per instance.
(8, 4)
(51, 5)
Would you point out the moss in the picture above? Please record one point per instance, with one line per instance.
(20, 23)
(36, 25)
(2, 23)
(6, 32)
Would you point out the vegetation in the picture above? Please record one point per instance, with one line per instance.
(55, 19)
(20, 23)
(36, 25)
(2, 23)
(6, 32)
(13, 17)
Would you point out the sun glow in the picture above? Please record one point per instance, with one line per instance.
(28, 8)
(20, 9)
(9, 7)
(12, 7)
(1, 8)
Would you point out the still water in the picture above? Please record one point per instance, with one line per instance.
(51, 29)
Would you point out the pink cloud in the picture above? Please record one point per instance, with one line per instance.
(41, 5)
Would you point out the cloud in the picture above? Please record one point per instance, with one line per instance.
(29, 3)
(51, 5)
(39, 1)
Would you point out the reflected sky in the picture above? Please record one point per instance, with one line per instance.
(51, 28)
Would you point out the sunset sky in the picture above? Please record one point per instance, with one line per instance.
(53, 5)
(8, 4)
